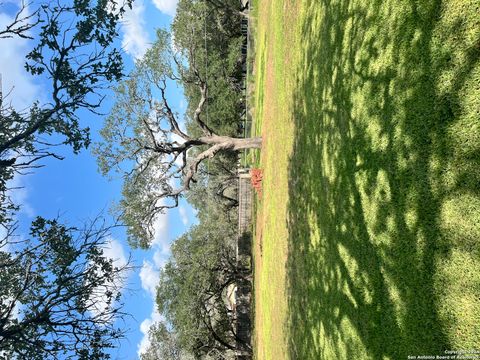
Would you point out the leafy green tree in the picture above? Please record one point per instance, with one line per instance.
(214, 49)
(231, 6)
(164, 345)
(217, 185)
(218, 55)
(191, 290)
(144, 141)
(71, 49)
(59, 295)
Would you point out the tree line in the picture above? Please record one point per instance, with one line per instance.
(208, 63)
(53, 280)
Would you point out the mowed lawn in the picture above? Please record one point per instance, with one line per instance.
(368, 233)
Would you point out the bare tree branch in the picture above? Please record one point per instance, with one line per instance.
(22, 23)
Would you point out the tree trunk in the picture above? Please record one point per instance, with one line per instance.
(226, 142)
(217, 144)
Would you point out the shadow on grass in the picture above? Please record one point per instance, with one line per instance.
(367, 180)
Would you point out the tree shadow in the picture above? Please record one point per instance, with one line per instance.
(366, 189)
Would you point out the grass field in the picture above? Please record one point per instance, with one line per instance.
(368, 233)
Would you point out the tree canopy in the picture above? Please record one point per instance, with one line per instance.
(158, 153)
(72, 51)
(164, 345)
(59, 294)
(191, 290)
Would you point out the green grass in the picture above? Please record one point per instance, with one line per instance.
(370, 239)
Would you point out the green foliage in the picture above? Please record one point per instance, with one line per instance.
(138, 143)
(58, 294)
(65, 32)
(72, 49)
(190, 291)
(136, 139)
(164, 345)
(141, 134)
(215, 25)
(217, 42)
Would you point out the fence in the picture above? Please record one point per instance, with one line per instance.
(244, 240)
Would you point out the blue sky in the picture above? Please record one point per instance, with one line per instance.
(73, 187)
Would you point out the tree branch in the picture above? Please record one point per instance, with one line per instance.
(22, 23)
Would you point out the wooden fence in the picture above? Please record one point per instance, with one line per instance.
(244, 264)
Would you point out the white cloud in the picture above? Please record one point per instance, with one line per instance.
(161, 231)
(166, 6)
(145, 326)
(135, 37)
(112, 249)
(160, 257)
(18, 192)
(182, 211)
(182, 105)
(16, 82)
(149, 276)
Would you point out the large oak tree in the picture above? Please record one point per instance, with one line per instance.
(145, 141)
(191, 293)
